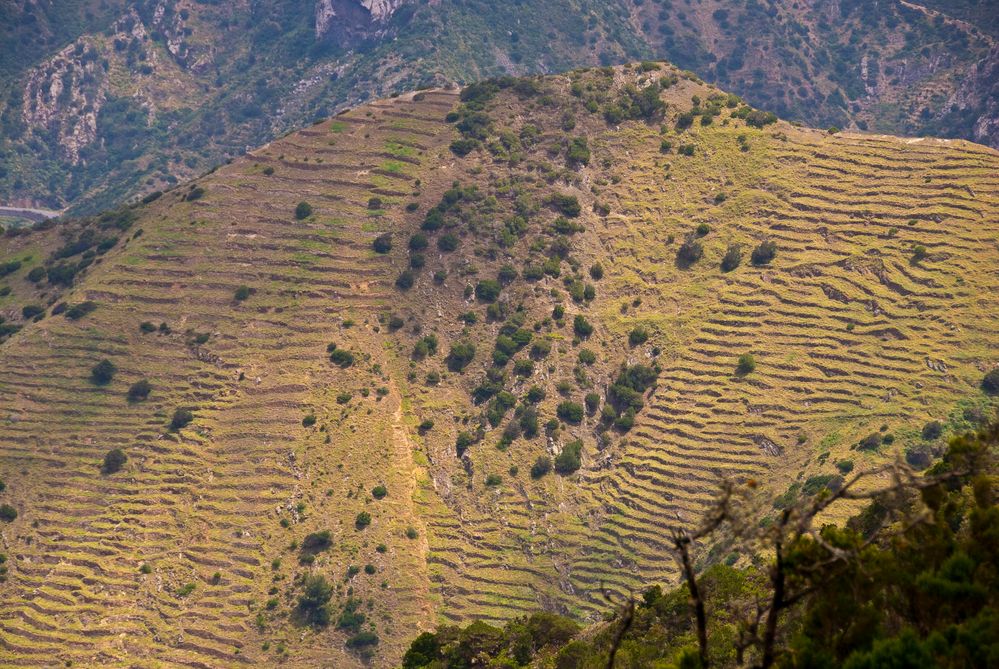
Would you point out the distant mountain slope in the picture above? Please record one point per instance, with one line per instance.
(487, 343)
(99, 102)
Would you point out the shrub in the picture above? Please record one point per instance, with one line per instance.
(314, 600)
(764, 253)
(405, 280)
(362, 639)
(732, 259)
(379, 492)
(871, 442)
(78, 311)
(362, 520)
(932, 430)
(448, 242)
(102, 373)
(425, 426)
(597, 272)
(703, 229)
(139, 390)
(114, 460)
(242, 293)
(32, 310)
(493, 480)
(146, 327)
(196, 193)
(759, 119)
(374, 203)
(342, 358)
(8, 514)
(587, 357)
(578, 152)
(181, 418)
(317, 541)
(309, 420)
(523, 367)
(592, 401)
(581, 326)
(488, 290)
(568, 461)
(689, 252)
(303, 210)
(845, 466)
(570, 412)
(565, 204)
(462, 353)
(638, 336)
(463, 147)
(990, 383)
(382, 243)
(747, 364)
(541, 466)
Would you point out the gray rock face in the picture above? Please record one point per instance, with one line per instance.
(350, 20)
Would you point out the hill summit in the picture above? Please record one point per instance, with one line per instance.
(456, 355)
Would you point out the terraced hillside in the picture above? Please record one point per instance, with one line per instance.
(486, 343)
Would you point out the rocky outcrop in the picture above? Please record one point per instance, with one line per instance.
(983, 85)
(349, 21)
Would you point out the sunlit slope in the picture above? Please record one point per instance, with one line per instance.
(850, 332)
(209, 498)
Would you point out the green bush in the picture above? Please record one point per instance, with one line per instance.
(747, 364)
(732, 259)
(565, 204)
(462, 353)
(463, 147)
(342, 358)
(578, 152)
(932, 430)
(448, 242)
(382, 243)
(990, 383)
(362, 520)
(570, 412)
(317, 541)
(569, 460)
(488, 290)
(592, 401)
(242, 293)
(493, 480)
(139, 390)
(379, 491)
(29, 311)
(689, 252)
(8, 514)
(181, 418)
(114, 460)
(309, 420)
(303, 210)
(581, 326)
(78, 311)
(405, 280)
(764, 253)
(597, 272)
(36, 274)
(103, 372)
(586, 356)
(639, 335)
(541, 466)
(313, 603)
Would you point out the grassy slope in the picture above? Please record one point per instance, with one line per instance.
(210, 498)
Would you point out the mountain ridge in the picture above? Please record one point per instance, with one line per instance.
(134, 99)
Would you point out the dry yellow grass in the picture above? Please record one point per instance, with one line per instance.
(847, 332)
